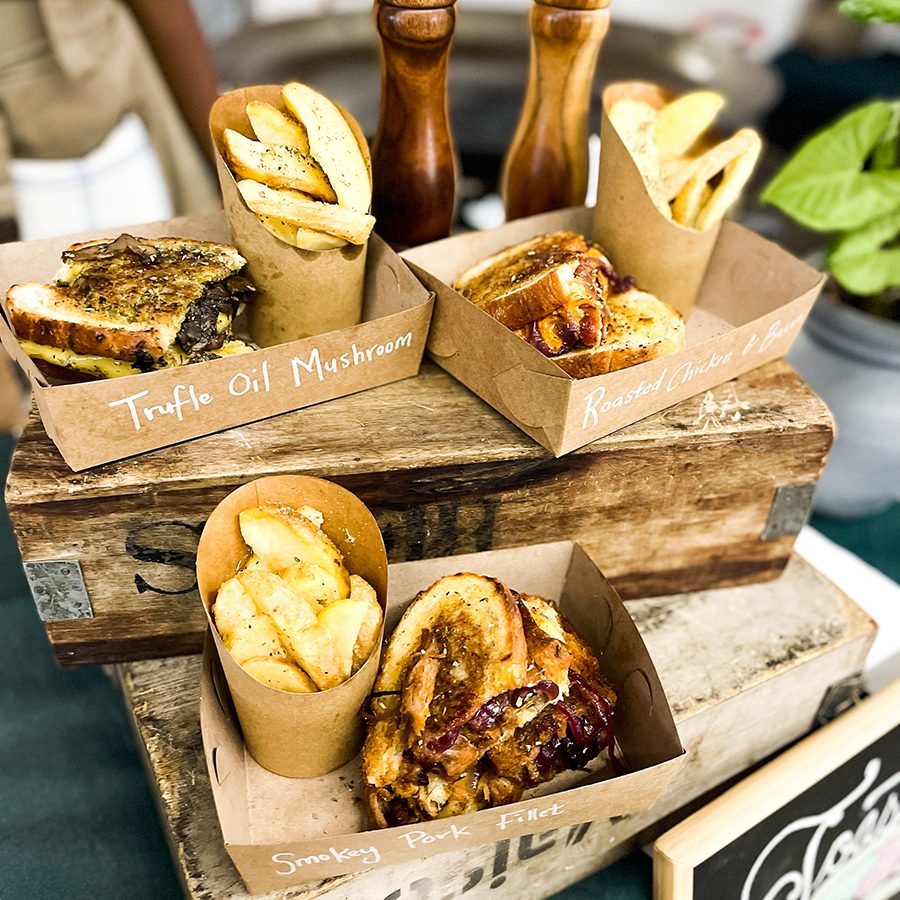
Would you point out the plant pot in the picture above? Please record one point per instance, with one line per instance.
(852, 359)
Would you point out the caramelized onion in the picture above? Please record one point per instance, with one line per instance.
(582, 731)
(554, 335)
(443, 743)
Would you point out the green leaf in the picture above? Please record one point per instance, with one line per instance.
(886, 154)
(823, 186)
(871, 10)
(863, 262)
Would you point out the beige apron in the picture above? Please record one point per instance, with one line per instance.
(69, 70)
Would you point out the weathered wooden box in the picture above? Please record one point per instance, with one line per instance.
(746, 669)
(708, 493)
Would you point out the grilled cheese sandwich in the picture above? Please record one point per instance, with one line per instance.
(129, 305)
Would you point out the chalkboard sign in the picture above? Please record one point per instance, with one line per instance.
(820, 822)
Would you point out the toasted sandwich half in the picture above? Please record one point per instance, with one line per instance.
(129, 305)
(560, 293)
(481, 694)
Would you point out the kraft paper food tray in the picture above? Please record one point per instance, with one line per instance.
(752, 302)
(100, 421)
(281, 831)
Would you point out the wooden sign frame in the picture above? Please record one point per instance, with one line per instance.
(791, 787)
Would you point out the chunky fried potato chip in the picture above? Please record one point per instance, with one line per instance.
(689, 176)
(635, 122)
(736, 174)
(280, 675)
(343, 619)
(255, 637)
(275, 599)
(333, 145)
(686, 206)
(284, 231)
(361, 590)
(314, 547)
(314, 649)
(272, 126)
(300, 237)
(280, 539)
(680, 123)
(279, 167)
(233, 606)
(316, 240)
(295, 207)
(293, 617)
(313, 583)
(713, 161)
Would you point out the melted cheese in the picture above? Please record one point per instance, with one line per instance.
(98, 366)
(104, 367)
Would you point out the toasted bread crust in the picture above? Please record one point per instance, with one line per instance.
(526, 281)
(506, 653)
(59, 373)
(533, 301)
(82, 337)
(641, 328)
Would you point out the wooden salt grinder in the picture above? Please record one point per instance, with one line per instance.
(546, 166)
(412, 154)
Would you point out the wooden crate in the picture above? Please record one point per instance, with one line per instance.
(710, 492)
(745, 669)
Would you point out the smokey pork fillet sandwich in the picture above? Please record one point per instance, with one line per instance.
(129, 305)
(482, 693)
(562, 295)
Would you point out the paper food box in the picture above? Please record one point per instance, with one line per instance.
(752, 301)
(96, 422)
(285, 831)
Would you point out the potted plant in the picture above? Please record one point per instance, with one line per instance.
(845, 181)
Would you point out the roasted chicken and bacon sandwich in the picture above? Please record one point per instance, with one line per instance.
(561, 294)
(482, 694)
(129, 305)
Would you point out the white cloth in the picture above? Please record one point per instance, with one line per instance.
(877, 594)
(119, 183)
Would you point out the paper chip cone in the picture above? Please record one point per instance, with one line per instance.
(301, 292)
(296, 735)
(666, 258)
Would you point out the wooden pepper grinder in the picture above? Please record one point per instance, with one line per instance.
(546, 166)
(412, 154)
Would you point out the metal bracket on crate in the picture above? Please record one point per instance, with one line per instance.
(790, 510)
(58, 589)
(841, 696)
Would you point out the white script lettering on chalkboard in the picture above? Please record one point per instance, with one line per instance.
(800, 884)
(292, 862)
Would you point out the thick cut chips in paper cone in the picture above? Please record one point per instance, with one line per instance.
(289, 728)
(669, 259)
(691, 178)
(302, 292)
